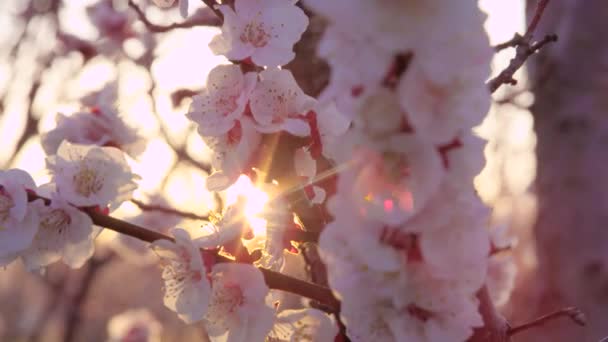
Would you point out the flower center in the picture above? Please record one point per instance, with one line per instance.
(254, 34)
(227, 299)
(303, 332)
(56, 219)
(233, 138)
(87, 181)
(226, 104)
(6, 203)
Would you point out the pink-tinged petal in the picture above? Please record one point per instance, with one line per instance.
(219, 181)
(320, 195)
(297, 127)
(272, 56)
(164, 3)
(304, 164)
(331, 121)
(288, 23)
(248, 8)
(16, 236)
(193, 301)
(214, 126)
(270, 128)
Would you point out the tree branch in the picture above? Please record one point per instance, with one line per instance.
(495, 328)
(524, 48)
(204, 19)
(573, 313)
(151, 207)
(75, 307)
(274, 280)
(211, 5)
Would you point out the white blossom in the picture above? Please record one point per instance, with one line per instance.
(101, 126)
(458, 252)
(264, 30)
(380, 114)
(397, 25)
(232, 153)
(392, 179)
(230, 226)
(440, 109)
(237, 311)
(277, 103)
(278, 219)
(18, 221)
(223, 100)
(418, 286)
(308, 325)
(368, 321)
(187, 289)
(64, 233)
(137, 325)
(437, 310)
(91, 175)
(463, 158)
(358, 67)
(306, 167)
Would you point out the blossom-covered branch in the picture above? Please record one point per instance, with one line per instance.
(274, 280)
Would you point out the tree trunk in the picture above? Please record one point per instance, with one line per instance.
(570, 82)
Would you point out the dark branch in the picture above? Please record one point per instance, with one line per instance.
(204, 19)
(211, 4)
(74, 315)
(524, 48)
(573, 313)
(274, 280)
(540, 9)
(150, 207)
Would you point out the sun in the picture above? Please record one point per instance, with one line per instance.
(255, 199)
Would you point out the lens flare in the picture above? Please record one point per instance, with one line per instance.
(255, 201)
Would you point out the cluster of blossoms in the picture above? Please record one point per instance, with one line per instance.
(233, 113)
(408, 247)
(44, 224)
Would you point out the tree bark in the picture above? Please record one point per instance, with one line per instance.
(570, 82)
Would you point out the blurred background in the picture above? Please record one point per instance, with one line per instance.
(59, 56)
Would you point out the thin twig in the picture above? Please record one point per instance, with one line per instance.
(180, 151)
(274, 280)
(151, 207)
(522, 53)
(57, 289)
(524, 48)
(573, 313)
(540, 9)
(536, 46)
(516, 40)
(203, 20)
(212, 4)
(79, 299)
